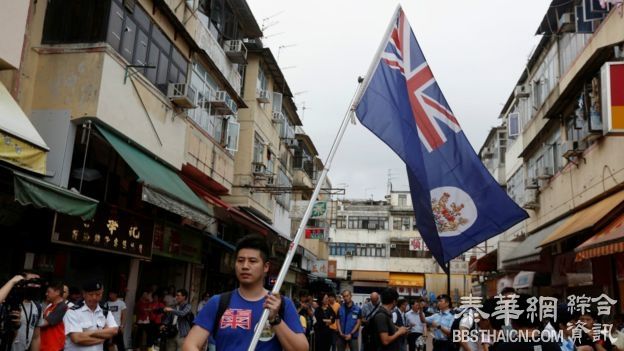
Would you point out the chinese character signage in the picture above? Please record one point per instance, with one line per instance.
(417, 244)
(319, 210)
(319, 268)
(331, 268)
(178, 243)
(111, 229)
(315, 233)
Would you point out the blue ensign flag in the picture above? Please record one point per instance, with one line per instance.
(457, 203)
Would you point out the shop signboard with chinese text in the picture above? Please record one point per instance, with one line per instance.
(177, 243)
(111, 229)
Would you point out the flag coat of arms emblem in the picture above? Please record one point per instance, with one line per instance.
(457, 203)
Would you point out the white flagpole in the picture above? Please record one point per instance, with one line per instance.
(330, 158)
(306, 216)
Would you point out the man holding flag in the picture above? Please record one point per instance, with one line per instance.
(457, 202)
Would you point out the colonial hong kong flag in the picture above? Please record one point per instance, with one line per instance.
(456, 201)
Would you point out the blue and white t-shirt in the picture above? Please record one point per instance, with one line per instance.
(236, 327)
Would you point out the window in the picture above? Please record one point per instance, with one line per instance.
(371, 223)
(141, 42)
(77, 21)
(258, 150)
(341, 222)
(262, 83)
(396, 224)
(283, 181)
(406, 223)
(363, 250)
(402, 200)
(401, 249)
(512, 125)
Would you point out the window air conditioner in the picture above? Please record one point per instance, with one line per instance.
(181, 94)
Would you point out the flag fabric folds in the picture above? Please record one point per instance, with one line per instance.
(457, 203)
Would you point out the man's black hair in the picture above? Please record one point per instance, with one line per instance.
(508, 290)
(58, 286)
(388, 296)
(183, 292)
(446, 298)
(401, 301)
(331, 294)
(255, 242)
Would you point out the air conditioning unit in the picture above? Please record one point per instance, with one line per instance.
(531, 183)
(487, 152)
(521, 91)
(349, 253)
(278, 117)
(263, 96)
(236, 51)
(572, 148)
(291, 142)
(531, 199)
(259, 168)
(181, 94)
(545, 172)
(566, 23)
(222, 103)
(393, 246)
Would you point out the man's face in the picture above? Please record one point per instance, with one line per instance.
(403, 307)
(180, 298)
(65, 292)
(331, 299)
(374, 297)
(442, 304)
(112, 296)
(52, 294)
(93, 298)
(416, 306)
(250, 267)
(346, 296)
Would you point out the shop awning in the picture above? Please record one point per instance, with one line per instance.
(529, 250)
(371, 276)
(36, 192)
(266, 224)
(227, 210)
(162, 187)
(585, 218)
(221, 242)
(412, 280)
(21, 145)
(608, 241)
(523, 280)
(487, 263)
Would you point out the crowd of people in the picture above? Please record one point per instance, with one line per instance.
(83, 320)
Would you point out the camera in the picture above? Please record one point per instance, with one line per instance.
(10, 311)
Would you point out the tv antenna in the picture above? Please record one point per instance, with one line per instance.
(279, 49)
(268, 23)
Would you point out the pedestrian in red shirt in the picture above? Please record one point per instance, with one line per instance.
(142, 310)
(52, 328)
(156, 315)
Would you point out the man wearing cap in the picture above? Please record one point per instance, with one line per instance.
(87, 325)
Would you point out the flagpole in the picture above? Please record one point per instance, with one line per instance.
(377, 57)
(306, 216)
(448, 279)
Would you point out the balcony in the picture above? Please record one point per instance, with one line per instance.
(236, 51)
(207, 41)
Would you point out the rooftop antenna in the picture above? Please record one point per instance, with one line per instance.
(390, 177)
(303, 110)
(268, 25)
(279, 49)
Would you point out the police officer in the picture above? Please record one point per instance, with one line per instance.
(87, 324)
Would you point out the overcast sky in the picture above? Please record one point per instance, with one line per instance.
(476, 49)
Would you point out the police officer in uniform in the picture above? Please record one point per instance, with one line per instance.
(87, 324)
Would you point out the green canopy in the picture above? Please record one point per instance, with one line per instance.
(36, 192)
(162, 186)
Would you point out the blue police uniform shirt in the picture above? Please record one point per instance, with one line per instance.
(348, 318)
(236, 327)
(445, 319)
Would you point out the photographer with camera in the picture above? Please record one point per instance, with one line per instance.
(87, 324)
(20, 314)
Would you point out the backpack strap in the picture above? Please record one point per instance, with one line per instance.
(224, 303)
